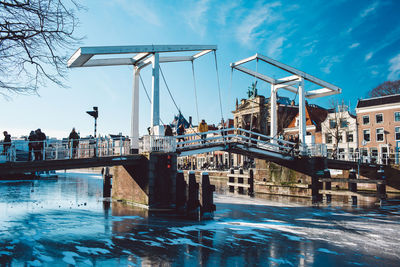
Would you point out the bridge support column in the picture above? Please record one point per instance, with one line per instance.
(274, 115)
(155, 90)
(150, 183)
(135, 111)
(302, 117)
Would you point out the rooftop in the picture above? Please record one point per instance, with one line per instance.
(376, 101)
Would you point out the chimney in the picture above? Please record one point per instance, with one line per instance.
(237, 104)
(190, 120)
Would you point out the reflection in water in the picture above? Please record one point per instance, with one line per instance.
(66, 221)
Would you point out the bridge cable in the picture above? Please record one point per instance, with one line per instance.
(170, 94)
(219, 86)
(147, 94)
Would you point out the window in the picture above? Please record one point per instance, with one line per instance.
(332, 124)
(365, 119)
(397, 116)
(364, 151)
(367, 135)
(349, 137)
(397, 133)
(329, 138)
(340, 138)
(379, 134)
(343, 123)
(373, 151)
(379, 118)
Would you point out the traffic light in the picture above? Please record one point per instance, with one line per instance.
(94, 113)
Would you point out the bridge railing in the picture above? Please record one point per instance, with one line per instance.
(157, 143)
(235, 135)
(56, 149)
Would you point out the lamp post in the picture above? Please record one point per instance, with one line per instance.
(94, 113)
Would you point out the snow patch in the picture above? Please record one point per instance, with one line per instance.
(324, 250)
(94, 251)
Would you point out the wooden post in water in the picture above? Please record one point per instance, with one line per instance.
(181, 188)
(231, 179)
(240, 180)
(193, 196)
(207, 206)
(328, 185)
(250, 191)
(106, 182)
(353, 186)
(381, 187)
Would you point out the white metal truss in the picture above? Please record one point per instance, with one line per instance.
(288, 83)
(138, 56)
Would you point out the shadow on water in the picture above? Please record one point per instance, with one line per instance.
(67, 222)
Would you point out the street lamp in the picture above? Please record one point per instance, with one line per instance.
(94, 113)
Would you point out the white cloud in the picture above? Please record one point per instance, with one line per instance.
(394, 68)
(225, 10)
(368, 56)
(310, 46)
(329, 61)
(369, 9)
(362, 16)
(247, 30)
(274, 49)
(140, 8)
(196, 17)
(354, 45)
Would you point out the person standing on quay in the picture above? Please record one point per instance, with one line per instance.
(203, 127)
(73, 141)
(180, 131)
(32, 144)
(41, 138)
(6, 142)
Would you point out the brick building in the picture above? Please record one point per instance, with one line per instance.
(378, 121)
(315, 115)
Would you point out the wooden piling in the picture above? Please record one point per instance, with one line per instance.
(193, 196)
(181, 188)
(353, 186)
(207, 206)
(240, 189)
(106, 182)
(250, 181)
(328, 185)
(381, 187)
(231, 179)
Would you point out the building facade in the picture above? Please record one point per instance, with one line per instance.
(378, 121)
(340, 134)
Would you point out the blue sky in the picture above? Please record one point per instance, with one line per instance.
(352, 44)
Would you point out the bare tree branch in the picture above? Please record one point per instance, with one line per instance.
(386, 88)
(36, 37)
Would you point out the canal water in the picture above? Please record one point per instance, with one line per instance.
(64, 222)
